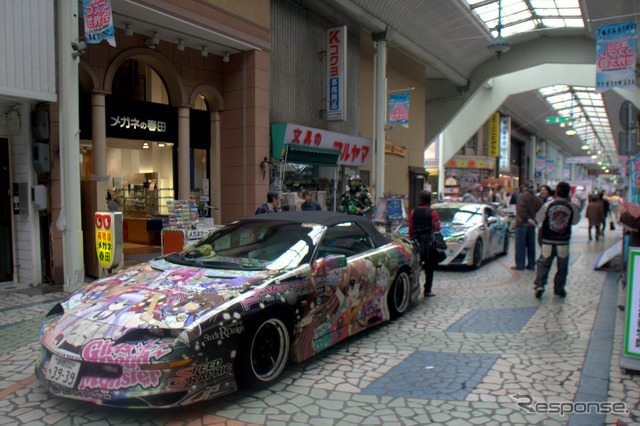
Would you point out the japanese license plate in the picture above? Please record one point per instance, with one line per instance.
(63, 371)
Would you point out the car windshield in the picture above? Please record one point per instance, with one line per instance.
(460, 215)
(253, 244)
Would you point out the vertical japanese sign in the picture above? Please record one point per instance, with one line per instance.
(504, 162)
(566, 172)
(98, 22)
(105, 240)
(551, 167)
(616, 55)
(494, 135)
(337, 73)
(399, 109)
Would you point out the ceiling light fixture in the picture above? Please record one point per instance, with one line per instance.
(226, 57)
(585, 146)
(153, 41)
(593, 156)
(499, 45)
(180, 45)
(570, 132)
(205, 51)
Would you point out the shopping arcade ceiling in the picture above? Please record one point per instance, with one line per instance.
(450, 38)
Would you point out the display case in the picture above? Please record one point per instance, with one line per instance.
(139, 202)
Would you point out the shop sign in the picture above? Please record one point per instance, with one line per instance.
(108, 226)
(505, 145)
(494, 135)
(579, 160)
(354, 150)
(130, 119)
(392, 148)
(631, 350)
(337, 73)
(431, 163)
(478, 163)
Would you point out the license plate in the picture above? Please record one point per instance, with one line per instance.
(63, 371)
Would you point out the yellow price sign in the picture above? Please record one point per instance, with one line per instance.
(104, 238)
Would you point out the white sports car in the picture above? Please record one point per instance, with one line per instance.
(473, 232)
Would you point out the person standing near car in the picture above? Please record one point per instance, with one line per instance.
(309, 204)
(526, 209)
(557, 218)
(272, 205)
(423, 220)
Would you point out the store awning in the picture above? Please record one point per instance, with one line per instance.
(305, 154)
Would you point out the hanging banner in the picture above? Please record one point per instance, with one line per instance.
(337, 74)
(540, 163)
(504, 162)
(551, 167)
(616, 55)
(494, 135)
(566, 172)
(399, 109)
(98, 21)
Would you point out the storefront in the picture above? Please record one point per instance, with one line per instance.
(316, 160)
(464, 175)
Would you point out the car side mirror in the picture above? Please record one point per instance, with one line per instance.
(335, 261)
(491, 219)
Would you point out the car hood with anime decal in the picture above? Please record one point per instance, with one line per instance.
(181, 329)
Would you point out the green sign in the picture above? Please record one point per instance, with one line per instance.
(556, 119)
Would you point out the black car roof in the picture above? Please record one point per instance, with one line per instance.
(324, 218)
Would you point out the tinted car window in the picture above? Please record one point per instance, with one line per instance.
(460, 215)
(345, 238)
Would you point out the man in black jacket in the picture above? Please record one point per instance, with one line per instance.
(556, 217)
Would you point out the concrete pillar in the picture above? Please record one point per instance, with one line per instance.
(381, 109)
(184, 165)
(99, 134)
(72, 245)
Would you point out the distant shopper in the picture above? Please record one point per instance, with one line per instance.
(595, 214)
(556, 217)
(309, 204)
(615, 202)
(272, 205)
(607, 211)
(546, 195)
(469, 198)
(113, 206)
(423, 220)
(526, 208)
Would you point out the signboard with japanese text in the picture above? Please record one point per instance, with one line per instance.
(494, 135)
(337, 73)
(98, 21)
(566, 172)
(616, 55)
(551, 167)
(108, 226)
(399, 109)
(630, 357)
(354, 150)
(131, 119)
(540, 163)
(504, 162)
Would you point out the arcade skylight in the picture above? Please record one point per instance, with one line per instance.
(519, 16)
(587, 116)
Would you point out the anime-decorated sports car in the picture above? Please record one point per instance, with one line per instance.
(473, 232)
(233, 308)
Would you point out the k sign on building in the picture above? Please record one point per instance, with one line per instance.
(337, 73)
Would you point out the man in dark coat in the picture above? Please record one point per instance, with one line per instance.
(526, 208)
(309, 204)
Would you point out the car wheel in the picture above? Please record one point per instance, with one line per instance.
(477, 255)
(264, 352)
(505, 246)
(399, 295)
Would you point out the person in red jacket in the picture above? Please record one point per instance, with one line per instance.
(423, 220)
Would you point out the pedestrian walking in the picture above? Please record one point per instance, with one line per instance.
(607, 210)
(546, 195)
(595, 214)
(423, 220)
(526, 208)
(272, 205)
(557, 218)
(309, 204)
(615, 202)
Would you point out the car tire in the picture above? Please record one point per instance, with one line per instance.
(399, 295)
(505, 246)
(263, 352)
(477, 255)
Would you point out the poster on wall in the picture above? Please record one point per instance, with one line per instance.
(337, 73)
(634, 179)
(616, 55)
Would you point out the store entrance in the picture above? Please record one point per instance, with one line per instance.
(6, 254)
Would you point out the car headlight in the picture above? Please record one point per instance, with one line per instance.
(460, 239)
